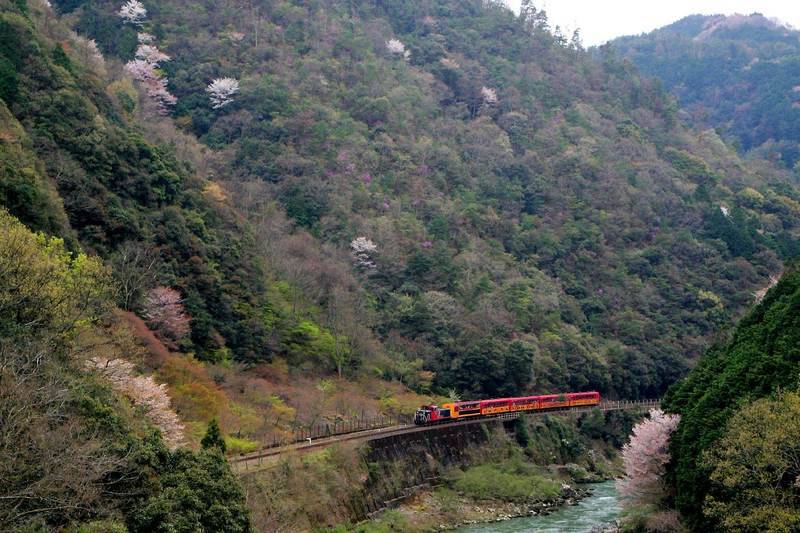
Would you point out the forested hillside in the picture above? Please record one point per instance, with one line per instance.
(239, 220)
(533, 219)
(737, 74)
(734, 454)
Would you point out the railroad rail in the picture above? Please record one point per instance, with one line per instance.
(255, 459)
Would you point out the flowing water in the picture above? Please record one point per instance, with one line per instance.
(600, 508)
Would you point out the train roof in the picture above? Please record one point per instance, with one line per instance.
(518, 398)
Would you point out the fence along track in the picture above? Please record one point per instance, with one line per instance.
(309, 443)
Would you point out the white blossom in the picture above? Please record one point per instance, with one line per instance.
(133, 12)
(140, 70)
(88, 50)
(151, 54)
(145, 38)
(221, 90)
(143, 391)
(396, 47)
(362, 249)
(725, 210)
(489, 96)
(645, 456)
(158, 92)
(155, 85)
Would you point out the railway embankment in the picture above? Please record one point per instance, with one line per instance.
(427, 479)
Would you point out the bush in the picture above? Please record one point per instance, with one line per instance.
(499, 482)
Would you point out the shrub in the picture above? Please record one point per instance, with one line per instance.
(492, 481)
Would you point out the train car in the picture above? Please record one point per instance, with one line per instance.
(432, 414)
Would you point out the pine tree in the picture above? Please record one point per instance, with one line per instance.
(213, 437)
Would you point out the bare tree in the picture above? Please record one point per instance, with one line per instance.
(136, 269)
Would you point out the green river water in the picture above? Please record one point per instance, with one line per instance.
(600, 508)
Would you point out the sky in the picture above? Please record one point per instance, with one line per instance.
(602, 20)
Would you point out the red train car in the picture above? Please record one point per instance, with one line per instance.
(429, 414)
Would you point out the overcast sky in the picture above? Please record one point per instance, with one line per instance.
(600, 21)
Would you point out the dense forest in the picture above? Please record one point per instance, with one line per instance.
(735, 450)
(221, 222)
(525, 206)
(737, 74)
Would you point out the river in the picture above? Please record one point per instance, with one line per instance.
(600, 508)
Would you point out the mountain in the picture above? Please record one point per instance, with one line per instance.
(737, 74)
(729, 452)
(535, 219)
(236, 220)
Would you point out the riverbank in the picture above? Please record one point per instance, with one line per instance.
(599, 511)
(490, 493)
(444, 510)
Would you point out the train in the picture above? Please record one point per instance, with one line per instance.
(433, 414)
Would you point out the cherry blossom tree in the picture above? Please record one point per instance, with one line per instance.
(143, 391)
(145, 38)
(489, 96)
(164, 312)
(362, 249)
(145, 70)
(133, 12)
(221, 90)
(151, 54)
(645, 457)
(396, 47)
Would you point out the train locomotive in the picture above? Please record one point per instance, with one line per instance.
(433, 414)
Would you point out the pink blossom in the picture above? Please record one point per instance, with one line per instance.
(367, 178)
(645, 457)
(164, 312)
(145, 392)
(427, 245)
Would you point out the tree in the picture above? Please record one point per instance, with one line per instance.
(150, 54)
(143, 391)
(197, 492)
(363, 249)
(489, 96)
(221, 90)
(136, 267)
(755, 468)
(164, 312)
(144, 69)
(645, 457)
(213, 437)
(133, 12)
(396, 47)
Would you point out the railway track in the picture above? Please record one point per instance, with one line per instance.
(256, 459)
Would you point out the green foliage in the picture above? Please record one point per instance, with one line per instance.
(760, 358)
(75, 453)
(44, 288)
(561, 236)
(118, 188)
(61, 58)
(517, 482)
(213, 438)
(735, 74)
(754, 469)
(197, 492)
(238, 445)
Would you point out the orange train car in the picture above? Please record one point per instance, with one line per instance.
(431, 414)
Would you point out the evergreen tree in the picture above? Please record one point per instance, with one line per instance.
(213, 437)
